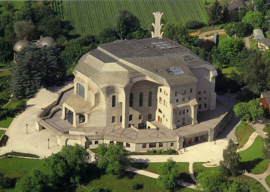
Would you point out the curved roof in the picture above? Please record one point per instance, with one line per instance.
(19, 45)
(47, 41)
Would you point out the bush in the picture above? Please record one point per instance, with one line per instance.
(134, 185)
(99, 189)
(194, 24)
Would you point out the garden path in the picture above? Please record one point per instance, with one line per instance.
(155, 176)
(250, 141)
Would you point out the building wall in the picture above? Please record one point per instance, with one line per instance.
(206, 96)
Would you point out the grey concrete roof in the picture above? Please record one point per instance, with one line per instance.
(265, 41)
(19, 45)
(266, 95)
(236, 4)
(78, 103)
(46, 41)
(152, 57)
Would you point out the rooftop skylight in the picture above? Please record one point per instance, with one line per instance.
(177, 70)
(189, 58)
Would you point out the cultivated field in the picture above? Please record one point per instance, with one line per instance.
(90, 17)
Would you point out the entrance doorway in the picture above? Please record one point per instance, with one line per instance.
(68, 116)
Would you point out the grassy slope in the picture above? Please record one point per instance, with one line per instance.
(90, 17)
(243, 131)
(253, 159)
(6, 122)
(267, 180)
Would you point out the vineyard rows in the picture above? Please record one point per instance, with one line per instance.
(90, 17)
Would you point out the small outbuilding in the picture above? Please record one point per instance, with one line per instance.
(263, 44)
(258, 34)
(236, 5)
(265, 100)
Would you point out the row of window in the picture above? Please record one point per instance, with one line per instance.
(184, 111)
(199, 92)
(201, 98)
(154, 145)
(184, 92)
(183, 99)
(200, 106)
(131, 99)
(131, 117)
(160, 90)
(164, 102)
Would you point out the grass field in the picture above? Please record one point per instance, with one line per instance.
(243, 131)
(198, 167)
(90, 17)
(123, 184)
(5, 73)
(267, 180)
(6, 122)
(17, 167)
(253, 159)
(154, 167)
(267, 128)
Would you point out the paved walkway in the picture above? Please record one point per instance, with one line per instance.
(26, 139)
(3, 128)
(155, 176)
(191, 173)
(250, 141)
(261, 177)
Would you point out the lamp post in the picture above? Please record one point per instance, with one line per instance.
(26, 128)
(48, 143)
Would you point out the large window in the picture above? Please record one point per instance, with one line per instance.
(80, 90)
(131, 100)
(69, 115)
(141, 100)
(150, 99)
(113, 100)
(152, 145)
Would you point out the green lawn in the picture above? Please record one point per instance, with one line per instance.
(252, 183)
(198, 167)
(17, 167)
(6, 122)
(5, 73)
(267, 128)
(267, 180)
(2, 133)
(227, 70)
(123, 184)
(253, 159)
(154, 167)
(14, 103)
(220, 37)
(243, 131)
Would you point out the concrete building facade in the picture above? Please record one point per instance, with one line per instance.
(144, 94)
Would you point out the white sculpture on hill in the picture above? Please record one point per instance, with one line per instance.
(157, 26)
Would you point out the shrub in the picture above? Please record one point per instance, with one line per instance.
(194, 24)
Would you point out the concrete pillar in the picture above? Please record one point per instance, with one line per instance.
(212, 99)
(180, 141)
(211, 133)
(125, 106)
(194, 112)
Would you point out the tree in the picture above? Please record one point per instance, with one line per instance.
(112, 158)
(50, 26)
(36, 181)
(25, 29)
(126, 23)
(241, 29)
(179, 34)
(215, 13)
(67, 166)
(107, 35)
(229, 48)
(210, 180)
(249, 111)
(254, 73)
(255, 19)
(168, 174)
(24, 14)
(6, 50)
(261, 6)
(230, 164)
(72, 53)
(35, 67)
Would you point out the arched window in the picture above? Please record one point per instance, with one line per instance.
(113, 100)
(80, 90)
(150, 99)
(141, 100)
(131, 100)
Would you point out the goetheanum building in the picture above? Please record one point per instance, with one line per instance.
(144, 94)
